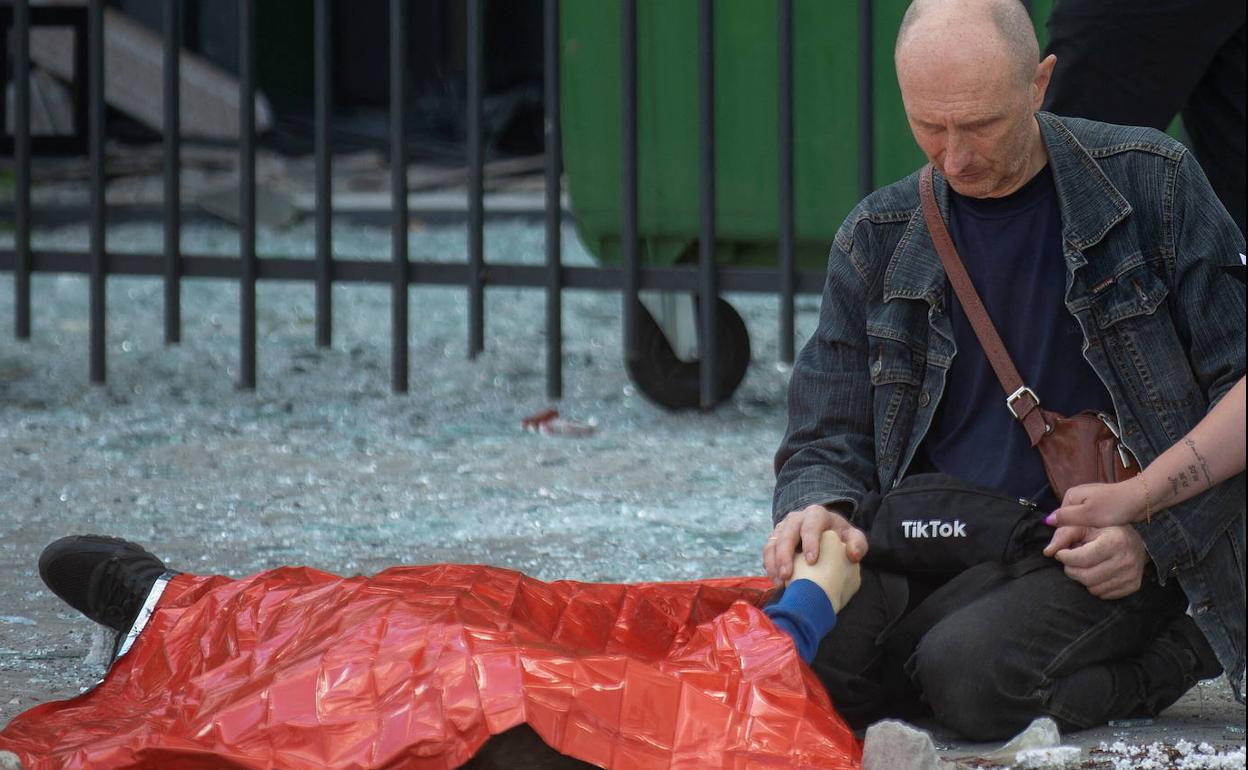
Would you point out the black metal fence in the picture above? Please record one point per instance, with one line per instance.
(707, 279)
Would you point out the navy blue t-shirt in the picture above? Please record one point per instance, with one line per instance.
(1012, 248)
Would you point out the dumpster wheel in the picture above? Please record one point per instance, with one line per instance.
(670, 382)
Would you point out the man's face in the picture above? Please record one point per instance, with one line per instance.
(972, 115)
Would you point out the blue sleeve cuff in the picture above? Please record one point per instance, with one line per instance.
(804, 613)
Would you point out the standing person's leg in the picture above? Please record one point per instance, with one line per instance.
(1122, 61)
(1133, 63)
(1217, 126)
(1041, 644)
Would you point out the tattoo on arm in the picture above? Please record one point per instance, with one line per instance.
(1204, 464)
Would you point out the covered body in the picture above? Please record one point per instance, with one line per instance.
(416, 667)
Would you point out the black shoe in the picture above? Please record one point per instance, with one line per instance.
(1172, 663)
(105, 578)
(1187, 643)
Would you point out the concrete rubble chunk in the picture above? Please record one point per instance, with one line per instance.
(100, 653)
(1042, 733)
(894, 745)
(133, 60)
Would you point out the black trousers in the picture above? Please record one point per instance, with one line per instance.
(1141, 62)
(1038, 644)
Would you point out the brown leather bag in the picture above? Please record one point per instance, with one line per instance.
(1079, 449)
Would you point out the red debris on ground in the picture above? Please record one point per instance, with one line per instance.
(549, 423)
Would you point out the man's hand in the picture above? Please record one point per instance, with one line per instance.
(1109, 561)
(805, 527)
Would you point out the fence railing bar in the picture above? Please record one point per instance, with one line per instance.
(628, 171)
(476, 179)
(95, 151)
(247, 193)
(21, 158)
(422, 272)
(786, 245)
(323, 54)
(398, 196)
(173, 171)
(554, 209)
(866, 97)
(707, 292)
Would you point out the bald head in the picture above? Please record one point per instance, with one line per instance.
(971, 84)
(1002, 25)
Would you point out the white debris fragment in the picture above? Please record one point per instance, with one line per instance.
(893, 745)
(1042, 733)
(1181, 755)
(1052, 758)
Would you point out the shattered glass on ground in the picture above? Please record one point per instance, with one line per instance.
(322, 465)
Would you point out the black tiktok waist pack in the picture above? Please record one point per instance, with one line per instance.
(933, 525)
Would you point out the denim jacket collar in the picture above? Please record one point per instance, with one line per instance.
(1078, 178)
(915, 272)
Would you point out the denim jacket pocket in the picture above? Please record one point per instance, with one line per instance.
(1135, 291)
(1146, 349)
(896, 373)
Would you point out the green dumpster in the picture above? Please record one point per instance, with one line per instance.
(825, 40)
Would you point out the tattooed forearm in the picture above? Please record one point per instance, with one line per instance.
(1178, 483)
(1204, 464)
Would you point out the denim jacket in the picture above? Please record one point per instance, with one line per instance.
(1163, 329)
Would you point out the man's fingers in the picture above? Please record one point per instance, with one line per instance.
(812, 530)
(853, 538)
(785, 545)
(1087, 555)
(1115, 587)
(769, 558)
(855, 544)
(777, 559)
(1063, 538)
(1093, 575)
(1119, 590)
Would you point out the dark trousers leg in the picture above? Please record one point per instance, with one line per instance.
(864, 684)
(1040, 644)
(1142, 63)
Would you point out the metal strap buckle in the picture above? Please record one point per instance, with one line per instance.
(1109, 423)
(1016, 395)
(1124, 454)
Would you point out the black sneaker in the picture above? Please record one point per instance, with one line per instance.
(1176, 659)
(105, 578)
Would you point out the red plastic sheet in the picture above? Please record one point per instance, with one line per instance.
(416, 667)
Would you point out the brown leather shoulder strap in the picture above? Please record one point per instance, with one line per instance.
(1021, 400)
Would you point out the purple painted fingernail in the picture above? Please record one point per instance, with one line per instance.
(1051, 519)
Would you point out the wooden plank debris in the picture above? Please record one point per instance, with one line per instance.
(132, 63)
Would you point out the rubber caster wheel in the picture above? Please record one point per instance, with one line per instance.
(672, 383)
